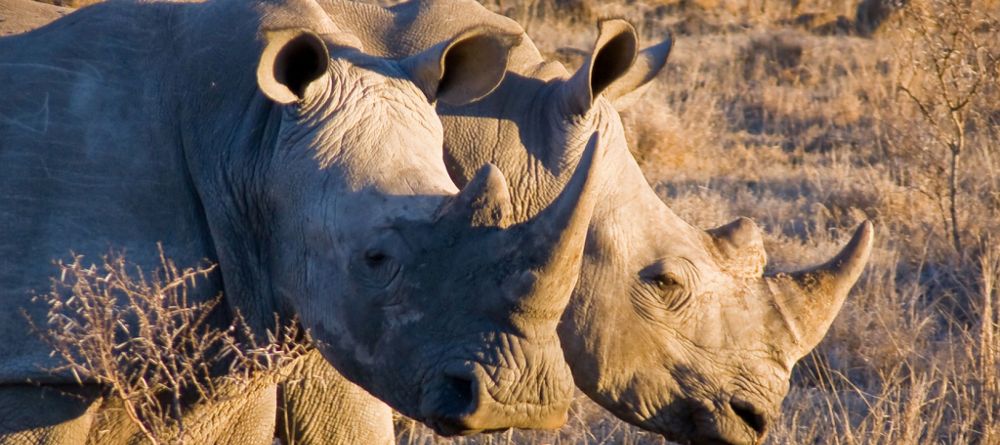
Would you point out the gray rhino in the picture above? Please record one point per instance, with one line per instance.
(259, 135)
(671, 328)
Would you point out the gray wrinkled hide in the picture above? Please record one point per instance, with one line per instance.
(183, 139)
(128, 134)
(245, 419)
(671, 328)
(652, 352)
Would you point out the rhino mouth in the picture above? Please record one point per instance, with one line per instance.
(704, 424)
(461, 403)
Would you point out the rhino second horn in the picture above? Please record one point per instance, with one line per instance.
(738, 235)
(560, 232)
(484, 201)
(741, 247)
(812, 298)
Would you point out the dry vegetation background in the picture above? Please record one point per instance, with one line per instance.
(810, 116)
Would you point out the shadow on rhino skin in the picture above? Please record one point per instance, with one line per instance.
(28, 407)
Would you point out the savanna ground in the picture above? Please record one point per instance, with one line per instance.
(810, 116)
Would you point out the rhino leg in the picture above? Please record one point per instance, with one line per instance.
(316, 405)
(47, 414)
(242, 416)
(245, 417)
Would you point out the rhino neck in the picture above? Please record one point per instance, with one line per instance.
(228, 129)
(224, 178)
(524, 129)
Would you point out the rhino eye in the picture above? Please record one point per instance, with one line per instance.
(663, 281)
(375, 258)
(672, 280)
(672, 294)
(377, 269)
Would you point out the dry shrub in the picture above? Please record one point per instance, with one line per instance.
(950, 71)
(151, 346)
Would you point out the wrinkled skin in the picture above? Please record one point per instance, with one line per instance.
(311, 172)
(671, 328)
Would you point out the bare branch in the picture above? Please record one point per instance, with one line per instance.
(150, 344)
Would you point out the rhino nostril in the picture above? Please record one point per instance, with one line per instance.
(459, 394)
(456, 402)
(750, 415)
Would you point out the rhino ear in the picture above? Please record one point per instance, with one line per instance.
(614, 54)
(292, 61)
(465, 68)
(647, 66)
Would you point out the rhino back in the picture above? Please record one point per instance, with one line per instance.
(90, 160)
(413, 26)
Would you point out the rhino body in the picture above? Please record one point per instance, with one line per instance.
(670, 327)
(260, 136)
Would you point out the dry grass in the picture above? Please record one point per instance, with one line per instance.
(792, 113)
(153, 348)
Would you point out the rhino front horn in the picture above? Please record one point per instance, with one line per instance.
(552, 242)
(812, 298)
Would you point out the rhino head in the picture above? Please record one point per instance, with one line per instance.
(671, 328)
(432, 299)
(703, 342)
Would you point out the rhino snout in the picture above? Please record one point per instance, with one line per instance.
(461, 401)
(736, 421)
(751, 416)
(458, 395)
